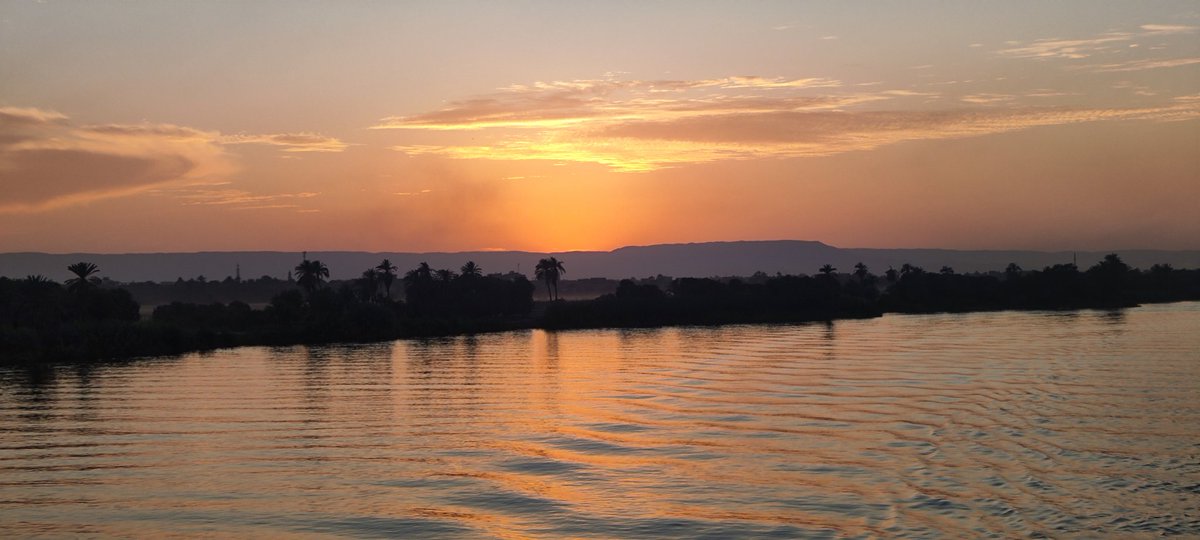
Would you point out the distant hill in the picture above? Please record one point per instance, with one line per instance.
(678, 260)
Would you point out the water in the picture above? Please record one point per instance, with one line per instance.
(994, 424)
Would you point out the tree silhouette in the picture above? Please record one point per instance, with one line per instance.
(1012, 271)
(369, 283)
(311, 274)
(946, 271)
(827, 269)
(445, 275)
(891, 274)
(861, 271)
(549, 270)
(471, 270)
(84, 277)
(386, 275)
(419, 274)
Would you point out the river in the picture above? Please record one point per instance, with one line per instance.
(956, 425)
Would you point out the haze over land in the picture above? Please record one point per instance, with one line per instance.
(553, 126)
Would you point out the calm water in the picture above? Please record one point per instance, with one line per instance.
(1000, 424)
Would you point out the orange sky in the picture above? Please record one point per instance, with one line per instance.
(558, 126)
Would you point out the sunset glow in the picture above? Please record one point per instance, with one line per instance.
(552, 126)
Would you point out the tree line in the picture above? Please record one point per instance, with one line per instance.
(86, 318)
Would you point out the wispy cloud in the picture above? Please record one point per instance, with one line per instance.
(222, 195)
(988, 99)
(239, 198)
(648, 145)
(411, 193)
(643, 129)
(1067, 48)
(1140, 65)
(1085, 47)
(11, 116)
(290, 142)
(565, 103)
(1164, 29)
(47, 162)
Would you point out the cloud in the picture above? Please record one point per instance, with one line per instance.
(1161, 29)
(290, 142)
(1140, 65)
(565, 103)
(28, 115)
(1083, 48)
(632, 126)
(47, 162)
(240, 199)
(645, 145)
(1066, 48)
(988, 99)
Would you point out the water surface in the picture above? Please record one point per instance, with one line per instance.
(995, 424)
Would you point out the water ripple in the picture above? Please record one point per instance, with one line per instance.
(978, 425)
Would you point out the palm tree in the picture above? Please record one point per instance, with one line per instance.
(861, 272)
(369, 283)
(827, 269)
(445, 275)
(421, 273)
(83, 276)
(471, 270)
(387, 274)
(311, 274)
(890, 274)
(549, 270)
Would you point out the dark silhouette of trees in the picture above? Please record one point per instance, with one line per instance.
(471, 269)
(387, 275)
(84, 276)
(861, 272)
(421, 273)
(368, 284)
(827, 269)
(311, 274)
(440, 294)
(550, 270)
(891, 275)
(41, 320)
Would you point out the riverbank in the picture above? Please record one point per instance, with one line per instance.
(43, 322)
(104, 343)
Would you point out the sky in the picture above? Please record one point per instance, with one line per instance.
(556, 126)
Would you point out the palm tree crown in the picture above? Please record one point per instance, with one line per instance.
(549, 270)
(471, 269)
(861, 271)
(83, 275)
(421, 273)
(387, 274)
(311, 274)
